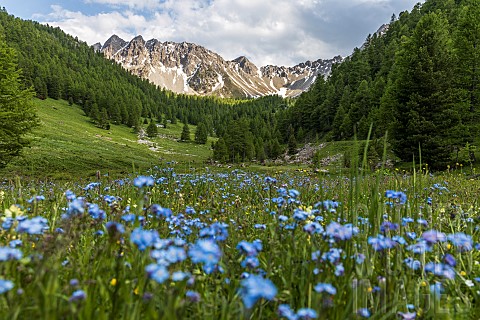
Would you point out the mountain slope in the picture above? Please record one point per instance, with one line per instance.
(68, 144)
(192, 69)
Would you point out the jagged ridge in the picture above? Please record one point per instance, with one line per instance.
(192, 69)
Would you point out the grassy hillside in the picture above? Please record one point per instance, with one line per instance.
(68, 144)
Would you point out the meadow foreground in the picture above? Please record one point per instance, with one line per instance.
(238, 244)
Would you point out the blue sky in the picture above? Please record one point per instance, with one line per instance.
(281, 32)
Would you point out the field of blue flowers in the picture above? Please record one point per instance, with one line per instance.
(241, 245)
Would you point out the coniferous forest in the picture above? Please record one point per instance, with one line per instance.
(418, 83)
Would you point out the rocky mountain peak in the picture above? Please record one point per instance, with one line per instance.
(114, 43)
(246, 65)
(190, 68)
(138, 39)
(97, 46)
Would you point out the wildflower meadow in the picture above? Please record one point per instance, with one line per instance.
(241, 245)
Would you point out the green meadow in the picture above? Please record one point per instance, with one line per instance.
(68, 144)
(163, 234)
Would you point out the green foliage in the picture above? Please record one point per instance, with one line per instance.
(427, 109)
(185, 133)
(220, 151)
(17, 114)
(201, 134)
(467, 45)
(152, 129)
(103, 121)
(292, 141)
(238, 142)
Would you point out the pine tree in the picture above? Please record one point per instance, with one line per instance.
(201, 134)
(292, 141)
(54, 87)
(94, 113)
(185, 133)
(428, 110)
(220, 152)
(260, 150)
(40, 88)
(104, 120)
(275, 149)
(152, 129)
(17, 115)
(115, 114)
(467, 45)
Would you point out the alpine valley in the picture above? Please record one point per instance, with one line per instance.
(192, 69)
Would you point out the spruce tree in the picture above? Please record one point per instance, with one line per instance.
(201, 134)
(275, 149)
(17, 115)
(427, 109)
(94, 113)
(104, 119)
(152, 129)
(467, 45)
(40, 88)
(292, 141)
(260, 150)
(220, 151)
(185, 133)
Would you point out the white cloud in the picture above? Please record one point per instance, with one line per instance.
(281, 32)
(135, 4)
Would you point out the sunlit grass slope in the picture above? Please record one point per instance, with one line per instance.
(68, 144)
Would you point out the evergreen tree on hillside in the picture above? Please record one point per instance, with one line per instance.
(185, 133)
(274, 149)
(201, 134)
(260, 154)
(17, 115)
(467, 44)
(152, 129)
(220, 152)
(292, 141)
(427, 109)
(103, 121)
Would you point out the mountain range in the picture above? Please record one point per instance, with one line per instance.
(192, 69)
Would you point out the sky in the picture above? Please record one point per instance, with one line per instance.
(279, 32)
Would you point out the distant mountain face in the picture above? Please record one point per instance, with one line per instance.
(192, 69)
